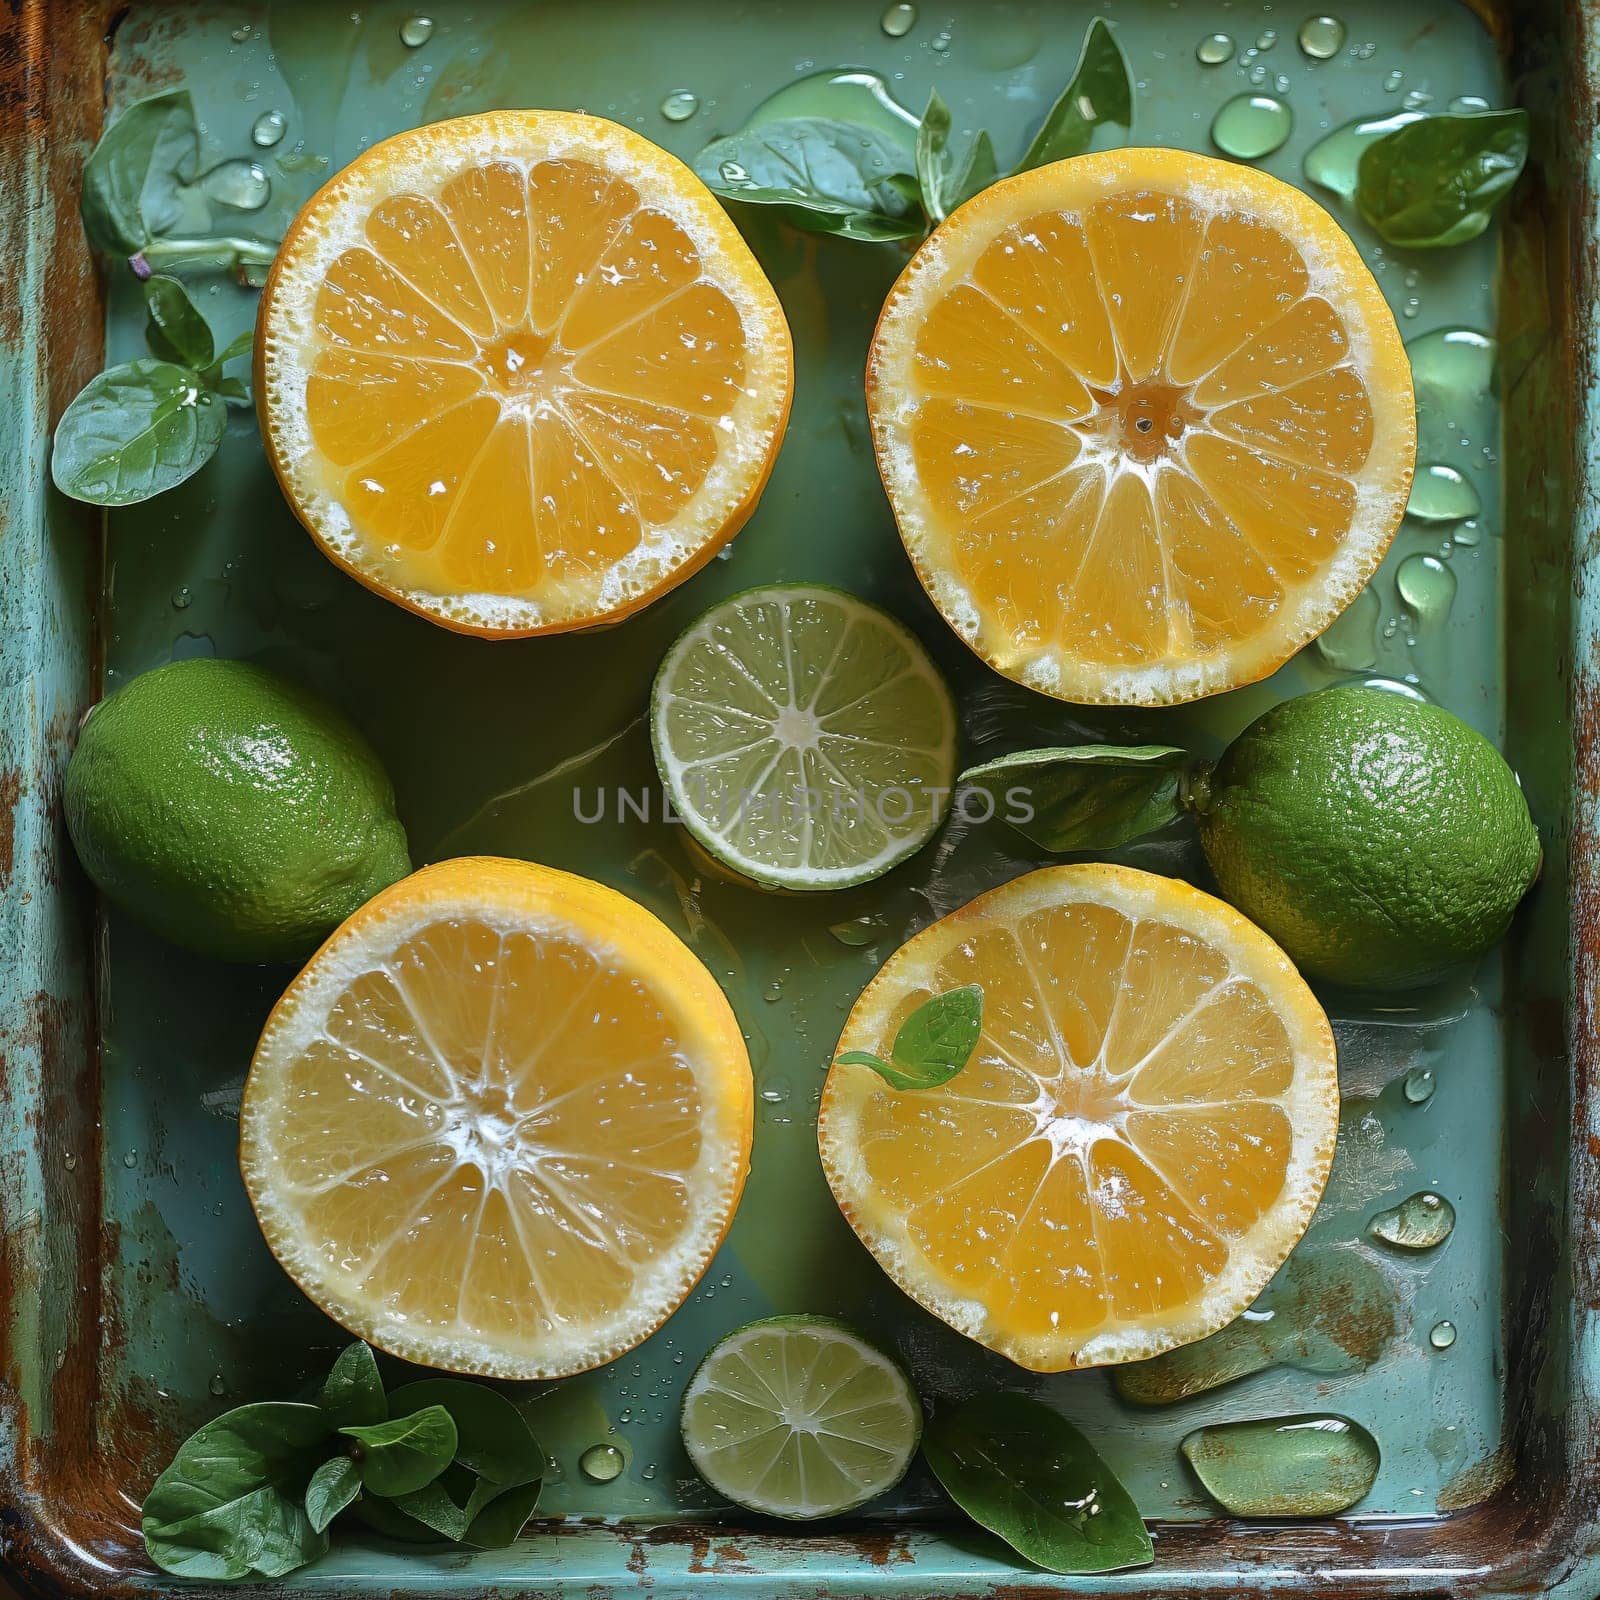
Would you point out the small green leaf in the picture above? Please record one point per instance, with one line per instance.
(932, 1045)
(1436, 182)
(333, 1486)
(1100, 92)
(235, 392)
(406, 1452)
(231, 1503)
(826, 177)
(492, 1440)
(176, 331)
(353, 1392)
(240, 344)
(1025, 1473)
(458, 1506)
(943, 185)
(136, 178)
(1085, 797)
(135, 431)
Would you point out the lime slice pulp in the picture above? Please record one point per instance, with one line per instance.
(804, 736)
(800, 1417)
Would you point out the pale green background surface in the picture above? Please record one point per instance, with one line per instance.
(486, 741)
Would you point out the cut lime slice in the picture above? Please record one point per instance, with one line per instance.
(800, 1417)
(804, 736)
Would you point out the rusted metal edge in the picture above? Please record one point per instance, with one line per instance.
(64, 1527)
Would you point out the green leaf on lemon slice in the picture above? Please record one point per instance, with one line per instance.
(804, 737)
(800, 1417)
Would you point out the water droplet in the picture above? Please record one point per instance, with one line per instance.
(416, 31)
(680, 105)
(649, 1472)
(1332, 162)
(1440, 494)
(898, 20)
(1428, 587)
(1251, 126)
(181, 598)
(940, 42)
(1258, 73)
(1266, 38)
(240, 184)
(241, 33)
(1331, 1310)
(601, 1463)
(268, 129)
(1351, 640)
(69, 1161)
(1214, 49)
(773, 992)
(1420, 1222)
(1418, 1085)
(1306, 1466)
(130, 1159)
(1469, 102)
(1416, 99)
(218, 1384)
(1442, 1335)
(859, 931)
(842, 94)
(1393, 81)
(1281, 83)
(1407, 691)
(1321, 38)
(775, 1094)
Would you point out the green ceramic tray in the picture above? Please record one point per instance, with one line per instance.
(137, 1297)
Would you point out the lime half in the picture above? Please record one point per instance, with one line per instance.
(800, 1417)
(804, 736)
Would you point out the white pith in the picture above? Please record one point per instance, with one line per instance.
(475, 1124)
(1077, 1108)
(421, 161)
(1335, 273)
(795, 726)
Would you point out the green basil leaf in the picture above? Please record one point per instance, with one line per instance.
(406, 1452)
(1435, 182)
(458, 1506)
(1027, 1474)
(135, 431)
(492, 1440)
(945, 186)
(333, 1486)
(241, 344)
(824, 176)
(353, 1392)
(1085, 797)
(176, 331)
(978, 171)
(230, 1504)
(233, 390)
(932, 1045)
(1100, 92)
(135, 180)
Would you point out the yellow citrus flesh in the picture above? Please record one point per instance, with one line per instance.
(1138, 1141)
(500, 1123)
(1146, 423)
(518, 371)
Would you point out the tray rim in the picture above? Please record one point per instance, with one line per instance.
(1538, 1534)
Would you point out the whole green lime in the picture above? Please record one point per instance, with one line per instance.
(1378, 839)
(231, 810)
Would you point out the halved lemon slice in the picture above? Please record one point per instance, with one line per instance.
(1146, 423)
(500, 1123)
(519, 372)
(1138, 1141)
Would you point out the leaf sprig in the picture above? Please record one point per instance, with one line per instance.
(254, 1492)
(144, 426)
(932, 1045)
(827, 175)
